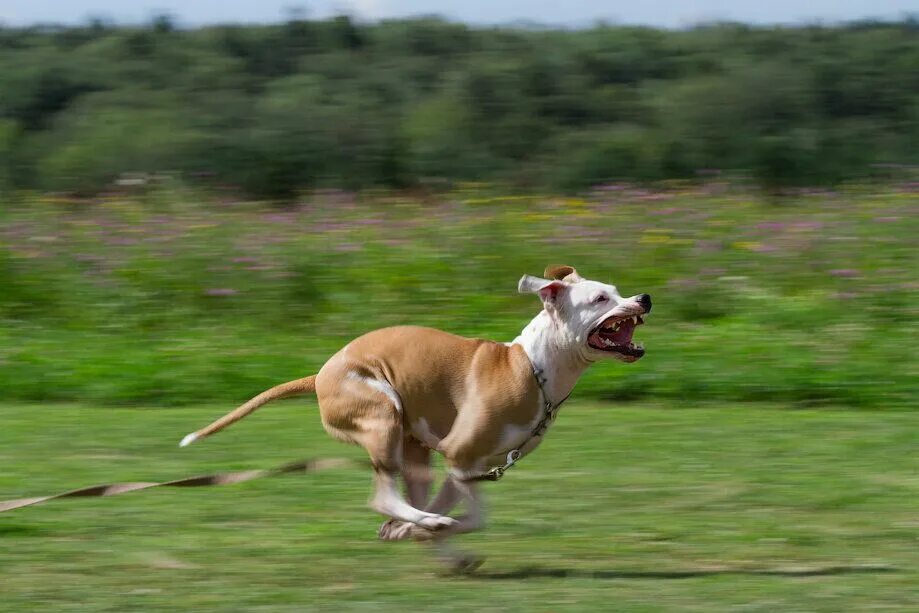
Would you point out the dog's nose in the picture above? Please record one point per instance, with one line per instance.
(645, 301)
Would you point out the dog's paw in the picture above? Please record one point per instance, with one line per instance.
(417, 533)
(437, 522)
(395, 530)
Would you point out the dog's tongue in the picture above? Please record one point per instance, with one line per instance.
(623, 335)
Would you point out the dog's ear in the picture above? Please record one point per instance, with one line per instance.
(548, 289)
(562, 272)
(529, 284)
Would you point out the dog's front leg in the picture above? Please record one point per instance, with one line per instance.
(452, 492)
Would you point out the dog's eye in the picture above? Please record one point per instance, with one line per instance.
(601, 298)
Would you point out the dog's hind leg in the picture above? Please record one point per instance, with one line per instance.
(417, 472)
(418, 476)
(387, 500)
(381, 436)
(359, 408)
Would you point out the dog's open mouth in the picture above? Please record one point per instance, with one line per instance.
(614, 335)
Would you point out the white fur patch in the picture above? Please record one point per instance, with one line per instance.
(380, 386)
(516, 436)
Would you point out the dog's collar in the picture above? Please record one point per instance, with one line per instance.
(549, 411)
(549, 408)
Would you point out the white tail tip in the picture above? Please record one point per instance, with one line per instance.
(188, 440)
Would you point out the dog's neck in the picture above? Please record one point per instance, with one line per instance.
(556, 352)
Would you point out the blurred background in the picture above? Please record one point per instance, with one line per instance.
(200, 201)
(173, 191)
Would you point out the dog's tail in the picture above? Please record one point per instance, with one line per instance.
(291, 388)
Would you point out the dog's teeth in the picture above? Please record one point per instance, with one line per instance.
(635, 319)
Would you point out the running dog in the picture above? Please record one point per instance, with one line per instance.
(401, 392)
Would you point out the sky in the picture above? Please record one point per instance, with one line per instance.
(572, 13)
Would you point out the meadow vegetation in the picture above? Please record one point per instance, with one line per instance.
(167, 298)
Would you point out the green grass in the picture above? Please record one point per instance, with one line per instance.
(175, 300)
(626, 507)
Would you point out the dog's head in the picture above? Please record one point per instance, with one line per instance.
(592, 315)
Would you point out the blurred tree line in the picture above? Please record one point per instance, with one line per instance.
(278, 108)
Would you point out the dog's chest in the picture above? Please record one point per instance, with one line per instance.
(524, 437)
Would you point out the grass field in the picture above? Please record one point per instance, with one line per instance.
(763, 456)
(624, 507)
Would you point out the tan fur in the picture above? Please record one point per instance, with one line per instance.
(465, 389)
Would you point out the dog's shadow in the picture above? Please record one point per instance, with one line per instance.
(538, 572)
